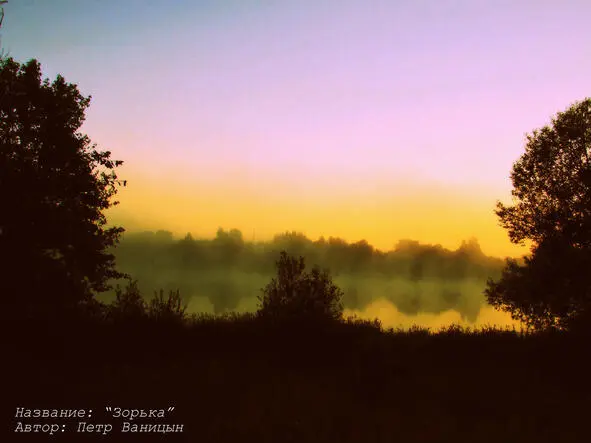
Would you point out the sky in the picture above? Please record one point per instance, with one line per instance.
(364, 119)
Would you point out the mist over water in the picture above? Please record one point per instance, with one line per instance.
(473, 311)
(414, 284)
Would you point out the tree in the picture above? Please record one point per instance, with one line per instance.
(296, 295)
(552, 209)
(54, 187)
(229, 246)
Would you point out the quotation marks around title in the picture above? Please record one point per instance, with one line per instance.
(54, 421)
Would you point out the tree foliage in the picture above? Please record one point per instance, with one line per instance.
(54, 187)
(552, 182)
(549, 291)
(552, 209)
(296, 294)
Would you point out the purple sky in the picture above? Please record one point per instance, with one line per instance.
(276, 115)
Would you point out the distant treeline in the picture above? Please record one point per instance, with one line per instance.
(229, 271)
(409, 259)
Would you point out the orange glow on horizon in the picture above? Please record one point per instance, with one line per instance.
(428, 213)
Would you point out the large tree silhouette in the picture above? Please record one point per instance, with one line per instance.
(552, 209)
(54, 186)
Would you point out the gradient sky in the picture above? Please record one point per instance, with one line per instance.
(355, 118)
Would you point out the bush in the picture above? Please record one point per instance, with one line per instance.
(168, 310)
(299, 296)
(129, 305)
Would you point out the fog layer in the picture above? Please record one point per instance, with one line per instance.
(412, 284)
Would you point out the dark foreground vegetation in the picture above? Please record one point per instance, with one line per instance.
(296, 369)
(240, 378)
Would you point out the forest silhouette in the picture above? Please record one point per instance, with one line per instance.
(294, 369)
(229, 272)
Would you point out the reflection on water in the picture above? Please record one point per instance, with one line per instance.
(396, 303)
(391, 317)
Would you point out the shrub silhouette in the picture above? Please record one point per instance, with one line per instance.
(296, 295)
(129, 305)
(167, 310)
